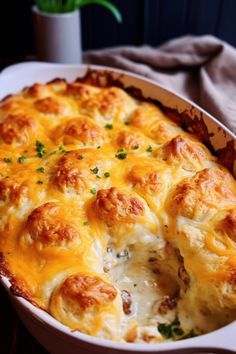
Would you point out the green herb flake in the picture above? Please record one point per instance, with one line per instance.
(62, 149)
(121, 155)
(99, 177)
(165, 330)
(81, 157)
(93, 191)
(40, 148)
(7, 159)
(53, 152)
(178, 331)
(149, 149)
(109, 126)
(39, 182)
(176, 322)
(94, 170)
(173, 330)
(107, 174)
(40, 169)
(85, 223)
(21, 159)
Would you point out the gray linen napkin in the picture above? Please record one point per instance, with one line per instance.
(200, 68)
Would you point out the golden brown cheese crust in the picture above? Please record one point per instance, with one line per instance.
(208, 189)
(45, 224)
(16, 128)
(13, 191)
(87, 291)
(91, 177)
(114, 206)
(80, 130)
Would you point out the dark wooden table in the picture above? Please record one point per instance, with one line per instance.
(14, 337)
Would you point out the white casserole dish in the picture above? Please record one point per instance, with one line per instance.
(55, 337)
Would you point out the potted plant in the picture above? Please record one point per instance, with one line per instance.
(58, 31)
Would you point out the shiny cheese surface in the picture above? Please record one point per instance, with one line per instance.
(113, 219)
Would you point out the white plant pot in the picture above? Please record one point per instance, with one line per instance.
(57, 36)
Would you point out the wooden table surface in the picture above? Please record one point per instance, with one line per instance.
(14, 337)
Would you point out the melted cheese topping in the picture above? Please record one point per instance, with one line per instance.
(113, 219)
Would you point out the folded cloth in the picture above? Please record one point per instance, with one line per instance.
(200, 68)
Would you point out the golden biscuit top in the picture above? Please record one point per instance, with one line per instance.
(113, 218)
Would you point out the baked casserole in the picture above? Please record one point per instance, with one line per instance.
(114, 219)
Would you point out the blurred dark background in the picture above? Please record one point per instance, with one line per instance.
(144, 21)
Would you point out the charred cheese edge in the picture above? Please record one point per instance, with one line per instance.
(113, 219)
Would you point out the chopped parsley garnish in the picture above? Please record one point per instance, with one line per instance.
(176, 322)
(81, 157)
(178, 331)
(121, 155)
(21, 159)
(173, 330)
(93, 191)
(85, 222)
(99, 177)
(39, 182)
(40, 148)
(53, 152)
(107, 174)
(109, 126)
(40, 169)
(7, 159)
(94, 170)
(62, 149)
(165, 330)
(149, 149)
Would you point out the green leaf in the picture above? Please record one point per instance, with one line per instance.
(63, 6)
(111, 7)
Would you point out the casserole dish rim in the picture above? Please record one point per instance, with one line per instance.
(201, 342)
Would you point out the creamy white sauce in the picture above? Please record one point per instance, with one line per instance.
(138, 273)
